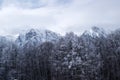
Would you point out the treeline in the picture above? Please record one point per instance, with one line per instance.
(87, 57)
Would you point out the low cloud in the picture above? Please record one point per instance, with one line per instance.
(58, 15)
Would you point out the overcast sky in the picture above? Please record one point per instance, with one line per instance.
(58, 15)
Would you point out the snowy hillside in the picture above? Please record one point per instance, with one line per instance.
(35, 36)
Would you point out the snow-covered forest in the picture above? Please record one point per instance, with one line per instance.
(45, 55)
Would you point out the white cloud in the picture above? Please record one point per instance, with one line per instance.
(74, 15)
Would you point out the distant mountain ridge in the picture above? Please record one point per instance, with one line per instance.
(36, 36)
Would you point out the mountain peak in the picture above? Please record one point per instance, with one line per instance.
(35, 36)
(95, 32)
(96, 29)
(31, 34)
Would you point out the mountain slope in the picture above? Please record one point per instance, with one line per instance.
(34, 37)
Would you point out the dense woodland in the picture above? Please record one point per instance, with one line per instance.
(90, 56)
